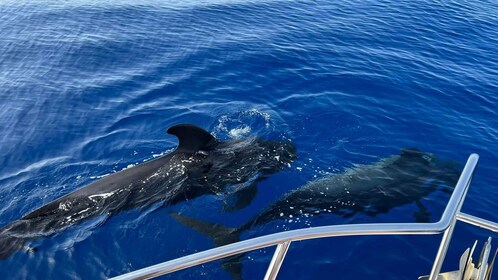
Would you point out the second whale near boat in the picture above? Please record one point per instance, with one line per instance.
(369, 189)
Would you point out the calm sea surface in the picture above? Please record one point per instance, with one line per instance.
(88, 88)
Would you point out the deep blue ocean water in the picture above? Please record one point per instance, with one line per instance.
(88, 88)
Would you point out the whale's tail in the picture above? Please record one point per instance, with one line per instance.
(221, 235)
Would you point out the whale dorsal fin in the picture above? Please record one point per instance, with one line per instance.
(192, 138)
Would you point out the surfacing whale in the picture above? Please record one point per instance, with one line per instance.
(199, 165)
(369, 189)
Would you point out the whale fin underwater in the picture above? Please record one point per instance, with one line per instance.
(200, 165)
(368, 189)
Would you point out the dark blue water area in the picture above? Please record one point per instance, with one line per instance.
(89, 88)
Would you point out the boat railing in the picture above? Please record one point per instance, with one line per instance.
(283, 240)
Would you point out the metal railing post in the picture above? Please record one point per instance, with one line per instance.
(454, 205)
(276, 261)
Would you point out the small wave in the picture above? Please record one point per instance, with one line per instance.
(35, 166)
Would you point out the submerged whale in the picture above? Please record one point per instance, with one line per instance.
(199, 165)
(370, 189)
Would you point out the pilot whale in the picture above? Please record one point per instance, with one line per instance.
(199, 165)
(370, 189)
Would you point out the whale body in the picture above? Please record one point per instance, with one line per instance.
(369, 189)
(199, 165)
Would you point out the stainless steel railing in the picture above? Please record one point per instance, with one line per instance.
(283, 240)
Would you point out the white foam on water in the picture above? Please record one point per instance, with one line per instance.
(241, 124)
(239, 132)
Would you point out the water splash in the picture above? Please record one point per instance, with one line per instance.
(242, 124)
